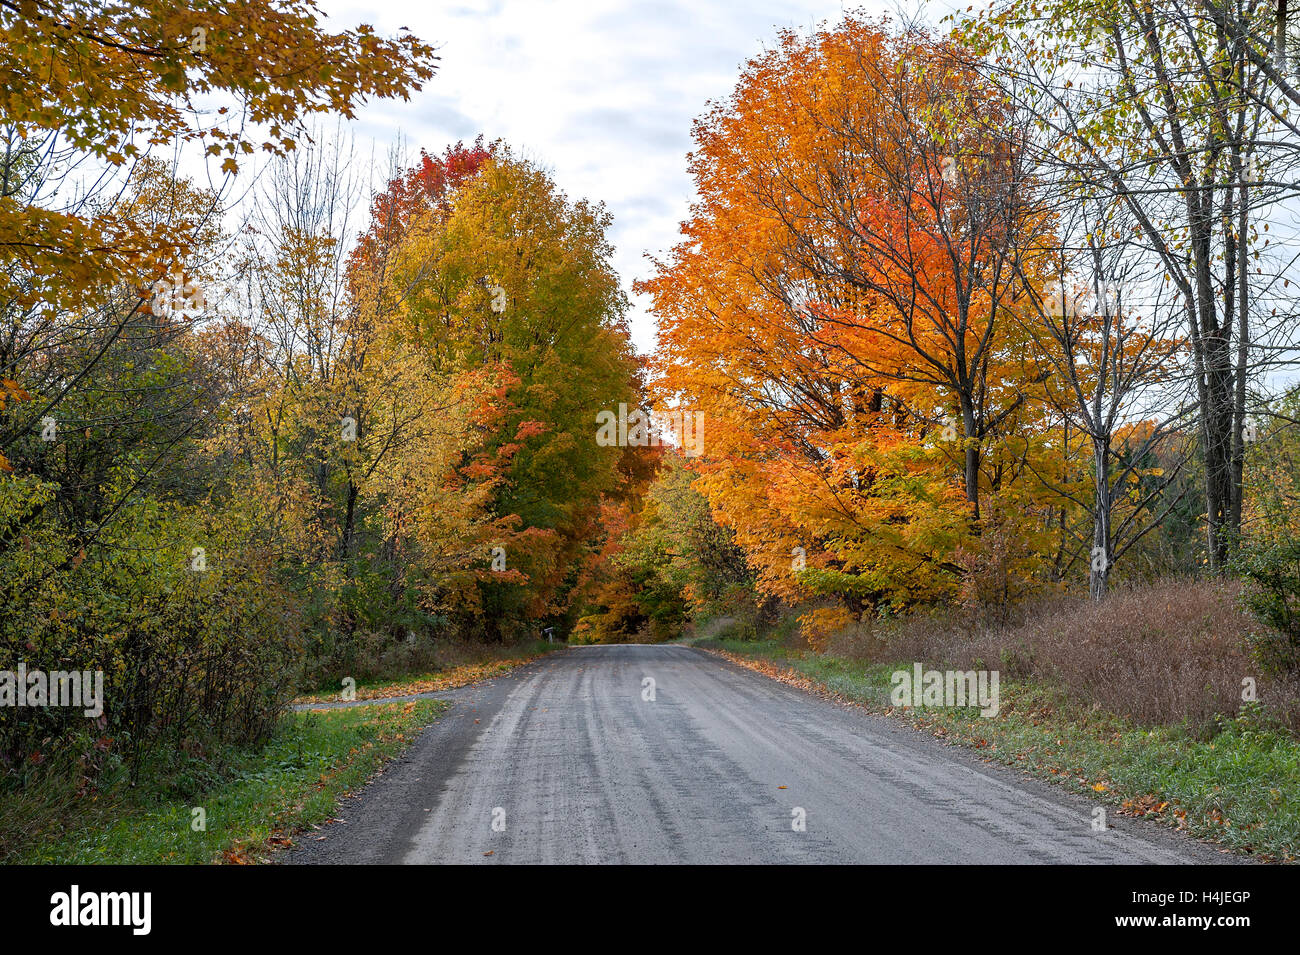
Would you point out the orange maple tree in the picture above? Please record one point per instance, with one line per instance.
(838, 312)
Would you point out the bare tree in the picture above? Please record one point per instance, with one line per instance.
(1111, 349)
(1156, 108)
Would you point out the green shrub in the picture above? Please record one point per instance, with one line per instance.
(190, 658)
(1273, 570)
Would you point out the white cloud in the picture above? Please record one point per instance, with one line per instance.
(601, 94)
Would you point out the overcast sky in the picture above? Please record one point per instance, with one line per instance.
(599, 92)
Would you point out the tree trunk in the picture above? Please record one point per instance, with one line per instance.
(1212, 343)
(972, 455)
(1102, 557)
(349, 523)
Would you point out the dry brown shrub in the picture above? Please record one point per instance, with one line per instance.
(1170, 653)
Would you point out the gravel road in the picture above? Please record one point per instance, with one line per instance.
(565, 761)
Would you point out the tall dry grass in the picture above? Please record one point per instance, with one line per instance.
(1175, 652)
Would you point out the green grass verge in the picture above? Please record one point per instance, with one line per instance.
(1239, 788)
(294, 782)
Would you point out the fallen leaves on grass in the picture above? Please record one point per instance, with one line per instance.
(449, 680)
(1148, 805)
(784, 675)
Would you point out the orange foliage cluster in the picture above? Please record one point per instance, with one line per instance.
(841, 313)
